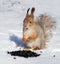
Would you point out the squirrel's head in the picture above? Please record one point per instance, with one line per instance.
(29, 19)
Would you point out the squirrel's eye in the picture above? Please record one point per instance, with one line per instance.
(30, 22)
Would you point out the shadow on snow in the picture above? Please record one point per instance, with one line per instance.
(17, 40)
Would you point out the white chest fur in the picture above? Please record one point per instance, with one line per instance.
(28, 32)
(35, 43)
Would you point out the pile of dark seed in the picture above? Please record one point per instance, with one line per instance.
(23, 53)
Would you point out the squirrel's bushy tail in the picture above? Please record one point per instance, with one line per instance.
(47, 23)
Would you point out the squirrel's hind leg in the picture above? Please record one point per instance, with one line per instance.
(36, 48)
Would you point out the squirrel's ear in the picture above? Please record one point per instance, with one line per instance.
(28, 11)
(32, 10)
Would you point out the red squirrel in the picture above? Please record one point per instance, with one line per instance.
(35, 33)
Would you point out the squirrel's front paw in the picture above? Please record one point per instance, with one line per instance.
(23, 39)
(28, 48)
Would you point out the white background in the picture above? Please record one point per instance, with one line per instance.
(12, 13)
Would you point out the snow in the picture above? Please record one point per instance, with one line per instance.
(12, 13)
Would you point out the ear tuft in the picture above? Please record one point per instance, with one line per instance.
(28, 10)
(32, 10)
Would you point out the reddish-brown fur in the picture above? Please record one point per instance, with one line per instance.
(43, 25)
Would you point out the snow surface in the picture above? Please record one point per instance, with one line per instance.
(12, 13)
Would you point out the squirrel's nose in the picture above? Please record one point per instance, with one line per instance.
(26, 28)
